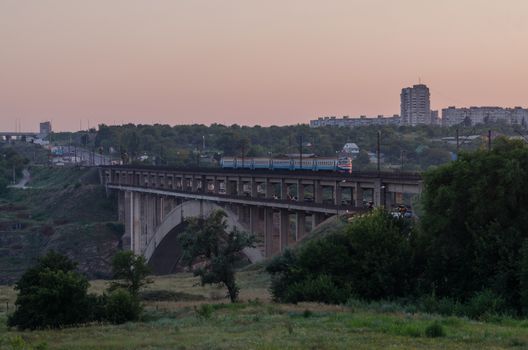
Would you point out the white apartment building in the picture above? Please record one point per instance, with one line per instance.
(346, 121)
(481, 115)
(415, 105)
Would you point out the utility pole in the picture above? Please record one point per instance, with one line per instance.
(489, 140)
(243, 153)
(300, 152)
(457, 142)
(379, 151)
(401, 156)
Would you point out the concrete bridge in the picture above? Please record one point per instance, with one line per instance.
(278, 207)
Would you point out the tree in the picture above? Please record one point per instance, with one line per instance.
(475, 220)
(207, 239)
(131, 271)
(371, 258)
(51, 294)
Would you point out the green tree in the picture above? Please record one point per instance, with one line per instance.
(130, 271)
(371, 258)
(476, 215)
(208, 239)
(51, 294)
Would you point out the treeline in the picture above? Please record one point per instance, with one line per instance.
(468, 254)
(183, 145)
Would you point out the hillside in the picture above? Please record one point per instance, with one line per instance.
(65, 210)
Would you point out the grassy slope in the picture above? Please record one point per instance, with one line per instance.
(65, 210)
(265, 325)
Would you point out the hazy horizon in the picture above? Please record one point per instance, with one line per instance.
(252, 62)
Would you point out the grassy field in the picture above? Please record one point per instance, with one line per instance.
(195, 317)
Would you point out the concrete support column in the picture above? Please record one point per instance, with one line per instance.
(216, 185)
(300, 191)
(126, 240)
(253, 188)
(338, 194)
(240, 187)
(284, 190)
(318, 192)
(121, 206)
(284, 228)
(377, 194)
(136, 223)
(300, 225)
(268, 231)
(269, 189)
(358, 198)
(253, 220)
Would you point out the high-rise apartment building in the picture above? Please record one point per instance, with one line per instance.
(45, 129)
(415, 105)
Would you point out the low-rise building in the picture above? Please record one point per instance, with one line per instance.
(481, 115)
(347, 121)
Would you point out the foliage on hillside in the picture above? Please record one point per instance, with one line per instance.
(64, 210)
(469, 257)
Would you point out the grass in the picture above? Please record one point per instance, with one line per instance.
(196, 319)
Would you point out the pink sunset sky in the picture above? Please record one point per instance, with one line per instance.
(252, 62)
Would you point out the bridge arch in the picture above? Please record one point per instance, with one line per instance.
(173, 223)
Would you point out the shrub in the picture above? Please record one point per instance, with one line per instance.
(122, 306)
(484, 305)
(204, 311)
(320, 288)
(371, 259)
(435, 330)
(51, 294)
(523, 278)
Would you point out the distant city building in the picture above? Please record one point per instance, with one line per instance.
(435, 118)
(45, 129)
(351, 148)
(482, 115)
(415, 105)
(346, 121)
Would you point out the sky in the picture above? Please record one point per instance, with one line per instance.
(80, 63)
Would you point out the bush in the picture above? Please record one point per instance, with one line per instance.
(204, 311)
(435, 330)
(484, 305)
(319, 288)
(51, 295)
(371, 259)
(122, 306)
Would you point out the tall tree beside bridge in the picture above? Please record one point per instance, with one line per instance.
(208, 239)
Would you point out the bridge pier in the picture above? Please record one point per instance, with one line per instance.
(300, 225)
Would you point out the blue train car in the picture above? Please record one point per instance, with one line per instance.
(314, 164)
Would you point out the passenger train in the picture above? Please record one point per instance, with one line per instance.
(343, 165)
